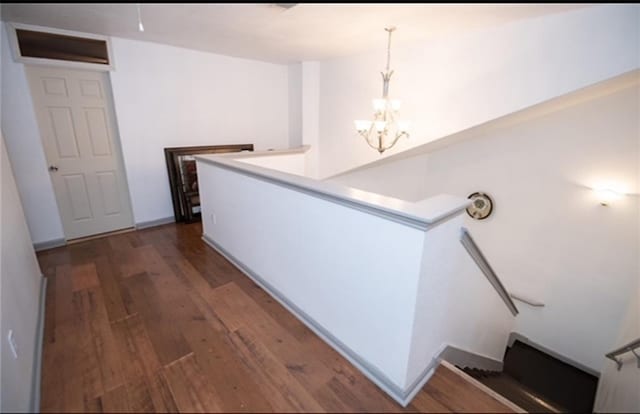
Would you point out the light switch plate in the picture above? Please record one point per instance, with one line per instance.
(12, 344)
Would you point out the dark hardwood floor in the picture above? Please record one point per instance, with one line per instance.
(155, 320)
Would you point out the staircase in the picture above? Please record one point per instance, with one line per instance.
(538, 382)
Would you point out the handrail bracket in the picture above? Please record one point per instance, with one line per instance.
(630, 347)
(633, 351)
(618, 362)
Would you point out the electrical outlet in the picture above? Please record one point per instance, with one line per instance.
(12, 344)
(214, 219)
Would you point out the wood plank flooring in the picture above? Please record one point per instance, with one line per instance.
(156, 321)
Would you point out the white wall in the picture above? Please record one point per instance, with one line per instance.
(295, 105)
(24, 146)
(311, 115)
(455, 303)
(548, 237)
(393, 294)
(311, 249)
(20, 279)
(164, 96)
(450, 84)
(167, 96)
(2, 35)
(619, 391)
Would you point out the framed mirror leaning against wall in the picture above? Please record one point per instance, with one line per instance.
(183, 177)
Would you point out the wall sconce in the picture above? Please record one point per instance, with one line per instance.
(606, 195)
(140, 25)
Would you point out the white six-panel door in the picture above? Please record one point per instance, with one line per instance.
(77, 126)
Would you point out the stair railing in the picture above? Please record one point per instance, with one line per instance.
(527, 300)
(630, 347)
(477, 256)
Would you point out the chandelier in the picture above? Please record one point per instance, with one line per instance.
(385, 130)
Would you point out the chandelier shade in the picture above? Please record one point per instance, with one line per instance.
(384, 131)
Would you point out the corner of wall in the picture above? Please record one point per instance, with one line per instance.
(295, 104)
(24, 148)
(22, 295)
(310, 101)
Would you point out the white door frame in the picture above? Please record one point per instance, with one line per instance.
(116, 141)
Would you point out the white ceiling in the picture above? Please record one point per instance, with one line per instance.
(274, 34)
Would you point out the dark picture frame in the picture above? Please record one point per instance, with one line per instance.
(183, 176)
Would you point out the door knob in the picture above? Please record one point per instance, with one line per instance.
(53, 168)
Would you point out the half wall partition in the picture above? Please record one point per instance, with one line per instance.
(384, 281)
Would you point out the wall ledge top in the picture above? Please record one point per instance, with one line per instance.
(421, 215)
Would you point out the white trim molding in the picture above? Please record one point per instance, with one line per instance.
(49, 244)
(153, 223)
(37, 357)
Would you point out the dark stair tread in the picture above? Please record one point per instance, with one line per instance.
(514, 391)
(546, 375)
(540, 382)
(520, 394)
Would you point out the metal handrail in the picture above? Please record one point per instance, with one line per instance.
(477, 256)
(526, 300)
(630, 347)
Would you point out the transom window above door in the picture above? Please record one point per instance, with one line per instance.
(54, 47)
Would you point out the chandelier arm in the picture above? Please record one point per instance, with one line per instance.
(367, 136)
(389, 114)
(398, 136)
(368, 141)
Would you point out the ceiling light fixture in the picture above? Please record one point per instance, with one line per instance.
(286, 5)
(140, 26)
(384, 126)
(606, 196)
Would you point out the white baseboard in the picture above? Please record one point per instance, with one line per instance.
(402, 396)
(153, 223)
(49, 244)
(37, 353)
